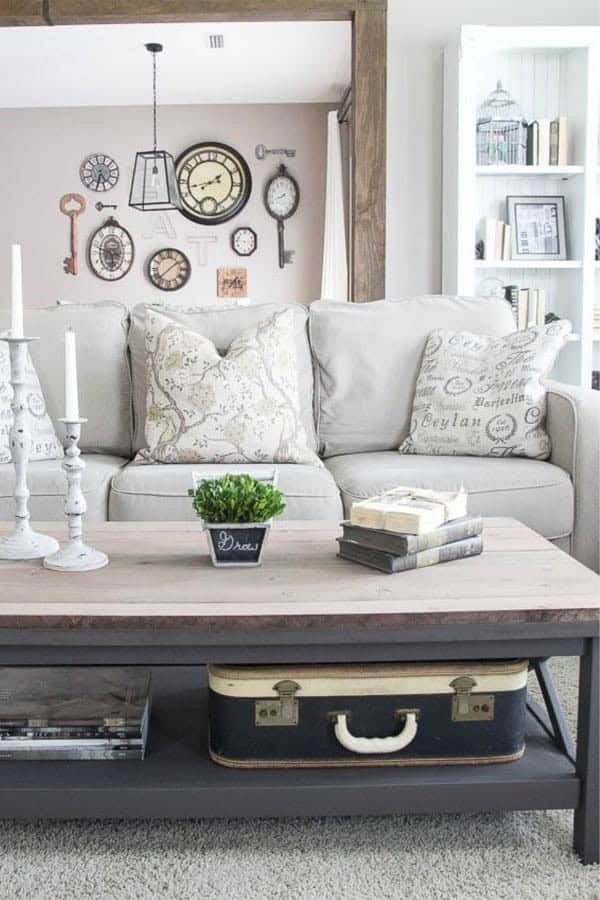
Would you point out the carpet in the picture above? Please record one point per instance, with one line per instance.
(500, 856)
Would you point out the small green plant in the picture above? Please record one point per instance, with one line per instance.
(237, 498)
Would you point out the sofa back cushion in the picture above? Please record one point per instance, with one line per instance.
(368, 357)
(102, 368)
(221, 326)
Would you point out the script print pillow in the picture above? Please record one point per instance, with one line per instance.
(484, 396)
(243, 407)
(44, 443)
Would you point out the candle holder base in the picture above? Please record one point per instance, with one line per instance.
(27, 544)
(76, 557)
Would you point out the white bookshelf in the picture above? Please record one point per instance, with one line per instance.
(550, 72)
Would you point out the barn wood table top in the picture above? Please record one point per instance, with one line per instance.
(160, 577)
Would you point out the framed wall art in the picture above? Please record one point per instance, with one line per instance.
(537, 226)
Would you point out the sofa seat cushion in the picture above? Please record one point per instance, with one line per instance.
(47, 483)
(538, 493)
(160, 492)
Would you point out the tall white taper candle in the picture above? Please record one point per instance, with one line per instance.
(16, 325)
(71, 389)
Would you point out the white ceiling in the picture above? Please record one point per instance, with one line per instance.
(107, 65)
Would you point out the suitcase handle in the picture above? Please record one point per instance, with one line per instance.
(375, 745)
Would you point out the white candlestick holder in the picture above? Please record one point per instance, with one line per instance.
(75, 556)
(23, 542)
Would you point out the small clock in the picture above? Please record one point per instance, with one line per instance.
(282, 196)
(99, 172)
(169, 269)
(243, 241)
(111, 251)
(214, 182)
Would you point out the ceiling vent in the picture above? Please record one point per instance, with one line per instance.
(215, 41)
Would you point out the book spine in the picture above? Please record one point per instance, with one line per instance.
(506, 254)
(532, 308)
(522, 309)
(511, 292)
(448, 552)
(563, 141)
(541, 307)
(499, 239)
(544, 142)
(553, 154)
(489, 239)
(401, 545)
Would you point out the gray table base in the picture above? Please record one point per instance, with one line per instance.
(178, 780)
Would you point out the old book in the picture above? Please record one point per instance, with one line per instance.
(533, 149)
(544, 142)
(506, 254)
(489, 238)
(522, 309)
(541, 306)
(511, 292)
(402, 544)
(409, 510)
(553, 159)
(532, 308)
(563, 141)
(499, 239)
(387, 562)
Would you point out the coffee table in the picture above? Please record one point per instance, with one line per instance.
(161, 604)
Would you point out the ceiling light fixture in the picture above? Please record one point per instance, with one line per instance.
(153, 183)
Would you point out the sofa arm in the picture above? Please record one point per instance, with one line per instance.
(573, 424)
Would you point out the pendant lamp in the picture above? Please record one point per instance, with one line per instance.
(153, 184)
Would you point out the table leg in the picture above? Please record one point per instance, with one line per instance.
(586, 837)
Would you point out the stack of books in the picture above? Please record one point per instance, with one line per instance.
(528, 305)
(495, 234)
(74, 713)
(548, 142)
(408, 528)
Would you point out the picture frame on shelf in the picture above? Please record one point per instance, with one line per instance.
(538, 229)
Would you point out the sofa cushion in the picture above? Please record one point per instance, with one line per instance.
(47, 483)
(538, 493)
(221, 326)
(160, 492)
(102, 368)
(240, 407)
(368, 356)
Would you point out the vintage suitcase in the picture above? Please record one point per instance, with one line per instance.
(367, 715)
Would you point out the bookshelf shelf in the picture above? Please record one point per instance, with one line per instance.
(530, 171)
(527, 264)
(551, 73)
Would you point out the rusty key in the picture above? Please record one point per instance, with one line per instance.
(70, 262)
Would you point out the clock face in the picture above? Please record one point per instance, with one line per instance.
(99, 172)
(111, 251)
(214, 183)
(169, 269)
(243, 241)
(282, 195)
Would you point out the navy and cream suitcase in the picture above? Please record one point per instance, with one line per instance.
(367, 715)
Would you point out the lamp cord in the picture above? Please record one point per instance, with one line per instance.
(154, 98)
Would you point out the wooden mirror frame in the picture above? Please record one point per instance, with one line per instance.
(369, 32)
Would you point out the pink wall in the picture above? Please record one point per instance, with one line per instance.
(40, 154)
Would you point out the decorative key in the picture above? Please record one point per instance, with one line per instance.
(261, 151)
(70, 262)
(100, 205)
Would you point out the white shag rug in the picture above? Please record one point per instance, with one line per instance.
(500, 856)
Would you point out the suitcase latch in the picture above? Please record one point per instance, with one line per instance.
(278, 712)
(470, 707)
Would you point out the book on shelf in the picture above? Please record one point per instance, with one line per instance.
(511, 292)
(495, 234)
(389, 563)
(74, 713)
(489, 238)
(499, 249)
(522, 309)
(543, 142)
(409, 510)
(559, 142)
(531, 306)
(533, 146)
(402, 544)
(506, 254)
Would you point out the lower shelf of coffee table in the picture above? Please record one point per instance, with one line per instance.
(177, 779)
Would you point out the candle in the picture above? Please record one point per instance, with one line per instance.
(71, 392)
(16, 327)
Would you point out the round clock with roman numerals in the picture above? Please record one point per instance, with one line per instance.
(214, 182)
(169, 269)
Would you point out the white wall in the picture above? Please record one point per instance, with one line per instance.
(417, 34)
(40, 154)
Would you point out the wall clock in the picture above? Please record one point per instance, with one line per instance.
(111, 251)
(169, 269)
(99, 172)
(244, 241)
(214, 182)
(282, 196)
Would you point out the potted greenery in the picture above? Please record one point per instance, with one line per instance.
(237, 511)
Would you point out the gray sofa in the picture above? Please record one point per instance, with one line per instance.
(358, 367)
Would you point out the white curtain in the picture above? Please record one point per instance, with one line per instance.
(334, 281)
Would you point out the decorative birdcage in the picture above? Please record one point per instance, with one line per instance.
(501, 131)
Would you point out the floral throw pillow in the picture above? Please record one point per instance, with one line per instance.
(243, 407)
(484, 396)
(44, 443)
